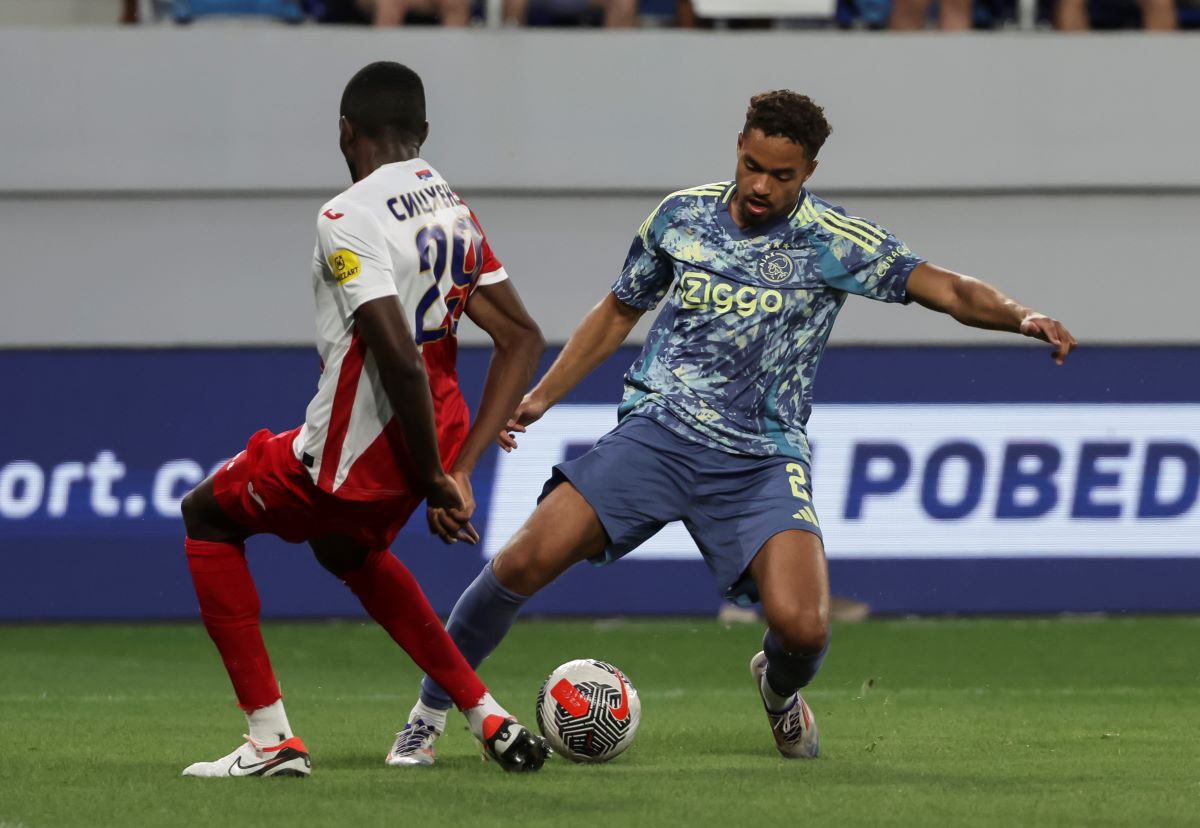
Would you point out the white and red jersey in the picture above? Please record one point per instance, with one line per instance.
(401, 231)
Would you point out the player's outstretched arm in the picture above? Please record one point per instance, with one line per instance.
(517, 346)
(402, 371)
(976, 303)
(596, 339)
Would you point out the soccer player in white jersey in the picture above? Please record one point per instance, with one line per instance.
(399, 258)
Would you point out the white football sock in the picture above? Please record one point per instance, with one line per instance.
(269, 725)
(429, 715)
(775, 702)
(487, 707)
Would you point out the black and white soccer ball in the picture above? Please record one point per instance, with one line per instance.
(588, 710)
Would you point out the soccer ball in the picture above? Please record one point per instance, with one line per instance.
(588, 710)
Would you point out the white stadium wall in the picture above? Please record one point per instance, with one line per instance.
(254, 110)
(233, 270)
(160, 186)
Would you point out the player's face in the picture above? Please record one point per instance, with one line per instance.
(770, 172)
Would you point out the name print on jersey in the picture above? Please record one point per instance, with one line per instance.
(422, 202)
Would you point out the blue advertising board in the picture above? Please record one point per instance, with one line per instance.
(947, 480)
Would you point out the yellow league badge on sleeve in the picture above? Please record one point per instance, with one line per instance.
(345, 266)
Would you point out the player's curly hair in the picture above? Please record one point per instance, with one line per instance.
(385, 99)
(790, 115)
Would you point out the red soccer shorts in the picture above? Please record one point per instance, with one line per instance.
(265, 489)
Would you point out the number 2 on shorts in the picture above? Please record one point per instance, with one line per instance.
(799, 485)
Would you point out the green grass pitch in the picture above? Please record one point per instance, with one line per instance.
(944, 723)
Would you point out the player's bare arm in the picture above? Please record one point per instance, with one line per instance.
(402, 372)
(598, 336)
(517, 345)
(974, 302)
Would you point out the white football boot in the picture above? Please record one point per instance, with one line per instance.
(794, 727)
(288, 758)
(414, 745)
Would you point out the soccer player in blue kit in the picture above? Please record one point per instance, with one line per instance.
(712, 425)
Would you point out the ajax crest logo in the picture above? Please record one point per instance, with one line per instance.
(776, 267)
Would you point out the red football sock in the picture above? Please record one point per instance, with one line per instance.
(229, 606)
(392, 596)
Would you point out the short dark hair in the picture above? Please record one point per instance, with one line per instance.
(790, 115)
(385, 99)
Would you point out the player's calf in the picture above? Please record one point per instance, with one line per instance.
(794, 662)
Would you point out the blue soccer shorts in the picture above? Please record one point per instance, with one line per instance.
(641, 476)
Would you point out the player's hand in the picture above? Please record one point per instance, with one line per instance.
(528, 412)
(448, 510)
(1042, 327)
(466, 491)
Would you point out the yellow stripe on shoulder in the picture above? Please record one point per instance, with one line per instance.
(855, 223)
(862, 241)
(646, 224)
(806, 213)
(838, 220)
(715, 189)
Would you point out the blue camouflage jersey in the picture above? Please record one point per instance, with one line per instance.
(730, 360)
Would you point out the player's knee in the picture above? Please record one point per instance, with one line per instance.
(526, 567)
(523, 574)
(193, 513)
(203, 519)
(801, 630)
(808, 640)
(341, 560)
(563, 531)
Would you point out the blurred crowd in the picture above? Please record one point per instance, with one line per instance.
(898, 15)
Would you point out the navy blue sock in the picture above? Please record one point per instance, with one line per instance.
(788, 672)
(478, 623)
